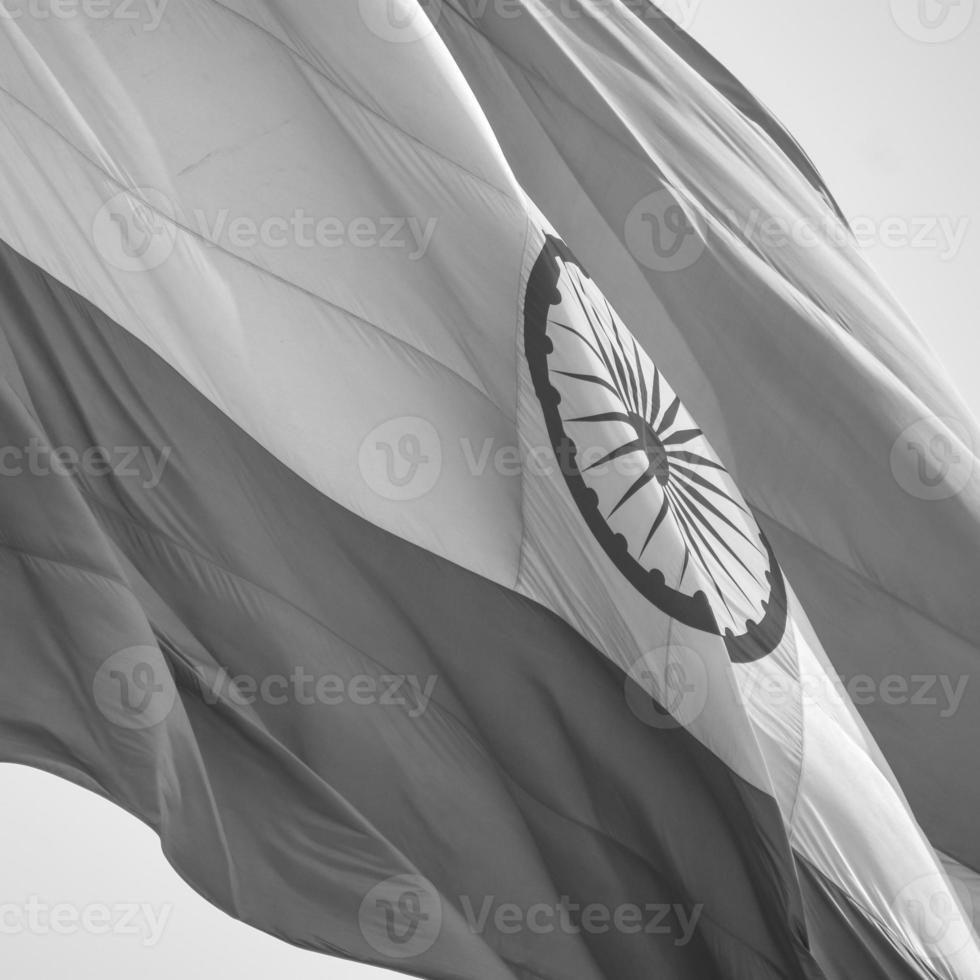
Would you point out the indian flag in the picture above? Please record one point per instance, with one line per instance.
(430, 503)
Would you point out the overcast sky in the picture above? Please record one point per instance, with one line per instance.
(884, 103)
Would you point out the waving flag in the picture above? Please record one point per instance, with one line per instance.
(417, 475)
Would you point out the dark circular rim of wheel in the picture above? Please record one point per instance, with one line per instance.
(759, 639)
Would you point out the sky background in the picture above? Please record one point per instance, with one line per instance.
(885, 107)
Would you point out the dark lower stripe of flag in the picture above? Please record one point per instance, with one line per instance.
(845, 941)
(524, 783)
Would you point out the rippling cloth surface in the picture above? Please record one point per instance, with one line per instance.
(431, 507)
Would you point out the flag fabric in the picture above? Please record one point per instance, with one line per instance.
(358, 534)
(845, 435)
